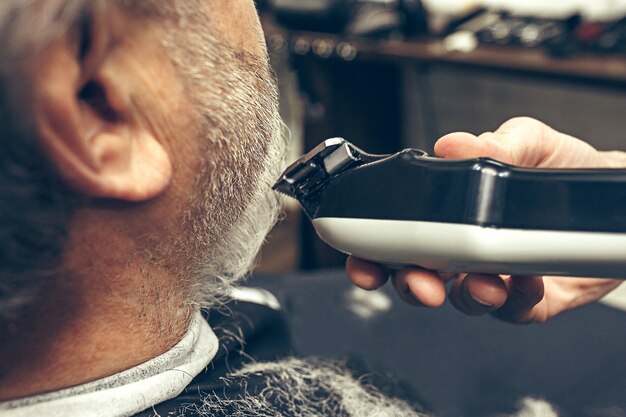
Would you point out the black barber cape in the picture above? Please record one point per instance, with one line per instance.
(251, 332)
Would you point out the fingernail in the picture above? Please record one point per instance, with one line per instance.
(481, 302)
(488, 292)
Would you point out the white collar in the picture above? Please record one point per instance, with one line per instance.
(131, 391)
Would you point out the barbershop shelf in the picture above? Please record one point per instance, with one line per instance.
(595, 68)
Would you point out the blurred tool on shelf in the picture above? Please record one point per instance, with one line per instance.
(560, 29)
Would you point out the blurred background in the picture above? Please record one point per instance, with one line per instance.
(392, 74)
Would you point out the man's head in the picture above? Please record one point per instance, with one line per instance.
(138, 142)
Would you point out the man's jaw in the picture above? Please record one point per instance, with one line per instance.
(242, 146)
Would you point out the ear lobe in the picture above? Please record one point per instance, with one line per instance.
(87, 132)
(133, 166)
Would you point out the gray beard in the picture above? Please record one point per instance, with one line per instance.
(241, 134)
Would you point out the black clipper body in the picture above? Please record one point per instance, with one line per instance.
(474, 215)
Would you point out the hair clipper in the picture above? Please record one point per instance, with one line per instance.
(472, 215)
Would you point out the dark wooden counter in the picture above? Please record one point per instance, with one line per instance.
(594, 67)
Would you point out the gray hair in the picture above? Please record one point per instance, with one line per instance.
(34, 206)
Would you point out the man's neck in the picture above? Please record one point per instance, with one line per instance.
(81, 333)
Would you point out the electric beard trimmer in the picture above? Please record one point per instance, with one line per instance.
(473, 215)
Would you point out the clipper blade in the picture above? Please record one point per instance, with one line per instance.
(310, 172)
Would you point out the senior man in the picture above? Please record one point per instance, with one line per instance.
(139, 140)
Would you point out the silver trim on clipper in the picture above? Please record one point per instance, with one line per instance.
(310, 172)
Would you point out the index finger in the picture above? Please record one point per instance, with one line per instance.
(461, 145)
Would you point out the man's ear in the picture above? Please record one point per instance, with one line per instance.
(83, 114)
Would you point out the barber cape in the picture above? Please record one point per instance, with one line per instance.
(201, 370)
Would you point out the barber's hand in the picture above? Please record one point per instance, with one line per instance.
(520, 299)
